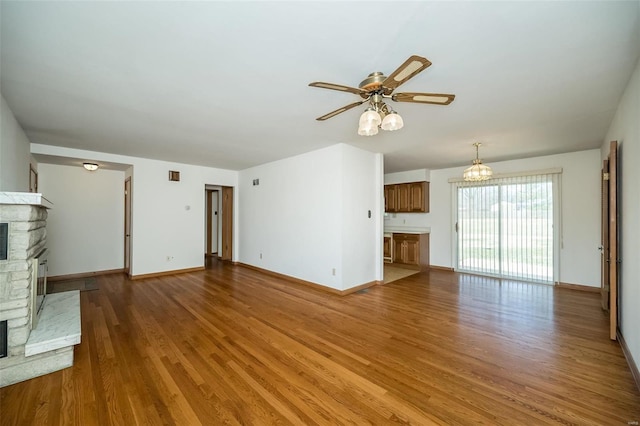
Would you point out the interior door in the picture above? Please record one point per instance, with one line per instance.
(613, 239)
(127, 226)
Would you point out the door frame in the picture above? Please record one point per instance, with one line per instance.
(226, 250)
(225, 210)
(604, 240)
(613, 240)
(128, 191)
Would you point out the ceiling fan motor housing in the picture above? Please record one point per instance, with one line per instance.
(373, 81)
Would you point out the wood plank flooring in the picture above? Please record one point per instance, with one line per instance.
(230, 345)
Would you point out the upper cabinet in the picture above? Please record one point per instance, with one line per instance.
(390, 198)
(410, 197)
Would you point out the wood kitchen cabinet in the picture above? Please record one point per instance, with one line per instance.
(388, 248)
(411, 250)
(418, 197)
(390, 198)
(410, 197)
(403, 198)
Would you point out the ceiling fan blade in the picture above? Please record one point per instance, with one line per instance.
(410, 68)
(424, 98)
(340, 110)
(339, 87)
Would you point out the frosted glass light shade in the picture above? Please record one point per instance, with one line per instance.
(92, 167)
(370, 116)
(392, 121)
(477, 172)
(367, 129)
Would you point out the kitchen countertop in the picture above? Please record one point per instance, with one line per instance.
(406, 230)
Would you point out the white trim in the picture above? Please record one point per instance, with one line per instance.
(554, 170)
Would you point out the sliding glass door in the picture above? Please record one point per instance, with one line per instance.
(505, 227)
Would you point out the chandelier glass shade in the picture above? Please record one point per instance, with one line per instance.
(478, 171)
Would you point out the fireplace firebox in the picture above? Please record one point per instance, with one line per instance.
(38, 285)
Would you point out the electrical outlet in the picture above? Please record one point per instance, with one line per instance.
(333, 271)
(260, 255)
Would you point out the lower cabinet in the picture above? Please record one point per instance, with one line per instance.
(411, 250)
(388, 248)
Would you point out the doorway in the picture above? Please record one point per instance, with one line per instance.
(219, 222)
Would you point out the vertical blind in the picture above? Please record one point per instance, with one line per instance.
(505, 226)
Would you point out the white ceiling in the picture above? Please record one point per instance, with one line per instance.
(224, 84)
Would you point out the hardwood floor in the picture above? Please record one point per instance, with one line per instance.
(230, 345)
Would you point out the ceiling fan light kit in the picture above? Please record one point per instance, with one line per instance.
(478, 171)
(377, 87)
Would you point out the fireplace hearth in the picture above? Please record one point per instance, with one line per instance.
(40, 331)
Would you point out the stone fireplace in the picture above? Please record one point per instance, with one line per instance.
(37, 343)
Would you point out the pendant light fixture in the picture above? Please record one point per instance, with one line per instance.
(478, 171)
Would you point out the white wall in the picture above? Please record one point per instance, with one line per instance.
(168, 217)
(85, 227)
(419, 175)
(362, 174)
(580, 187)
(625, 129)
(309, 210)
(14, 152)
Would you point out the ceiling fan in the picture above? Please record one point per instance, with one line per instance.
(377, 87)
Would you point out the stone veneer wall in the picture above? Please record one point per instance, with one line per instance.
(27, 237)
